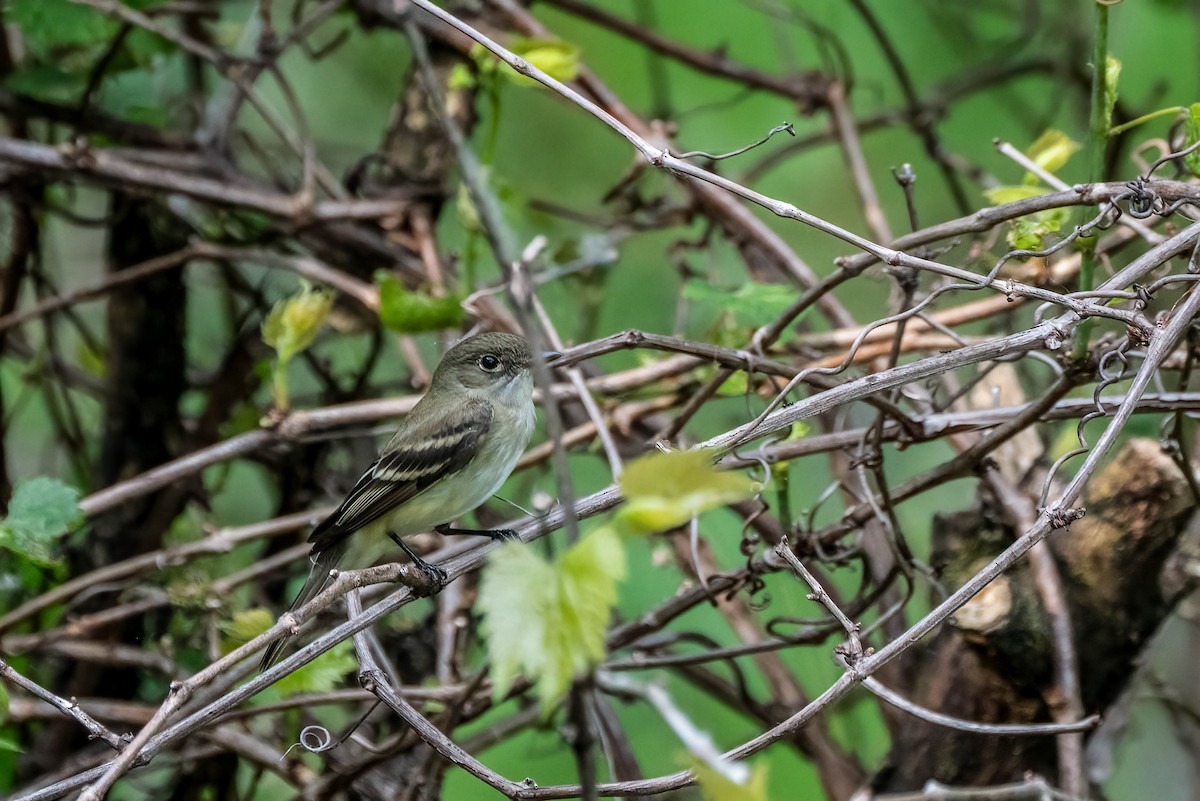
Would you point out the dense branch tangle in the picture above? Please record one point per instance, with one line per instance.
(901, 373)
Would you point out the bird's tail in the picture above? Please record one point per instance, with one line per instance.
(318, 578)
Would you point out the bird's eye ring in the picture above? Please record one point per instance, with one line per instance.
(489, 363)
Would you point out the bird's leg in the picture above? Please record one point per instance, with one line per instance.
(437, 577)
(502, 534)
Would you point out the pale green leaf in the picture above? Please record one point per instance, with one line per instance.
(753, 303)
(321, 675)
(244, 627)
(1191, 135)
(464, 207)
(716, 786)
(665, 490)
(294, 322)
(408, 312)
(1051, 151)
(1112, 74)
(547, 620)
(41, 510)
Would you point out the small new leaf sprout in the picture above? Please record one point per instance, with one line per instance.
(547, 619)
(291, 327)
(1050, 153)
(665, 490)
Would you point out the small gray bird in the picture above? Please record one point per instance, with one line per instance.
(450, 454)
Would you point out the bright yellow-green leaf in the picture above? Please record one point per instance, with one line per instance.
(1051, 150)
(293, 323)
(1011, 194)
(461, 77)
(320, 675)
(408, 312)
(716, 786)
(547, 619)
(1028, 232)
(556, 58)
(1191, 135)
(665, 490)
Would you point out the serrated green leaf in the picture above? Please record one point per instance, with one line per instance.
(1051, 150)
(753, 303)
(547, 620)
(1191, 135)
(1112, 74)
(41, 510)
(408, 312)
(244, 627)
(320, 675)
(717, 786)
(294, 322)
(665, 490)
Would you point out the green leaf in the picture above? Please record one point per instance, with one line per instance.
(666, 490)
(293, 323)
(547, 619)
(717, 786)
(753, 303)
(3, 704)
(320, 675)
(1191, 135)
(461, 77)
(244, 627)
(48, 25)
(1112, 73)
(1051, 151)
(1011, 194)
(556, 58)
(7, 743)
(1028, 232)
(42, 509)
(48, 82)
(408, 312)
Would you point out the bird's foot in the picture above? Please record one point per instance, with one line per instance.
(500, 534)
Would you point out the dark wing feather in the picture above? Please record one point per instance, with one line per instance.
(417, 457)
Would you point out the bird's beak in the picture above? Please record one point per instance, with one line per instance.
(551, 356)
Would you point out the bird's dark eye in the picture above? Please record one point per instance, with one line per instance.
(489, 363)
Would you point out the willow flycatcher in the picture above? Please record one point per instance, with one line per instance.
(450, 454)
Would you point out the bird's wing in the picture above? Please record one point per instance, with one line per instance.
(417, 457)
